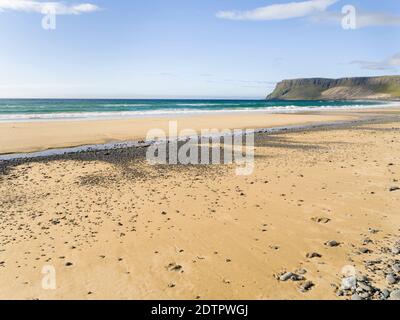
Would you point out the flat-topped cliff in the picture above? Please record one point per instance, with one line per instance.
(370, 88)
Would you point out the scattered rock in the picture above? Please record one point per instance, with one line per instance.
(306, 286)
(55, 221)
(332, 243)
(321, 219)
(356, 297)
(395, 250)
(396, 267)
(174, 267)
(364, 295)
(349, 283)
(301, 271)
(340, 293)
(311, 255)
(365, 287)
(286, 276)
(68, 264)
(373, 262)
(385, 293)
(361, 278)
(365, 250)
(391, 278)
(395, 295)
(394, 189)
(296, 277)
(373, 231)
(367, 241)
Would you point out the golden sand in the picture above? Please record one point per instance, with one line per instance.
(129, 230)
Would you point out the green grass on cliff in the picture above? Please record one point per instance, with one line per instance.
(299, 89)
(392, 89)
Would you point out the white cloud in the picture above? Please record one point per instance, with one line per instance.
(363, 19)
(44, 7)
(279, 11)
(391, 63)
(315, 10)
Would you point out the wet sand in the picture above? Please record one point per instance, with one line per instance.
(115, 227)
(39, 136)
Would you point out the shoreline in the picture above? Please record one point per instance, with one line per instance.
(29, 137)
(131, 115)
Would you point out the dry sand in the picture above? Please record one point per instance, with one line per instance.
(115, 227)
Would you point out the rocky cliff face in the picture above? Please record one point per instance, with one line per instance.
(374, 88)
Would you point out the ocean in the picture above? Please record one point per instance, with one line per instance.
(82, 109)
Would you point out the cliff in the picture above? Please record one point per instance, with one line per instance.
(369, 88)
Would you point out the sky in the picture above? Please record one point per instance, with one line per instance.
(189, 48)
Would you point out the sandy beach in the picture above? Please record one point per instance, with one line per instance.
(200, 159)
(319, 203)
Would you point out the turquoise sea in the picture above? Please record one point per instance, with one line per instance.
(61, 109)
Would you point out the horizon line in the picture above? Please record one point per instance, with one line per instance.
(170, 98)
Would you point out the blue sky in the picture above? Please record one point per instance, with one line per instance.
(189, 48)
